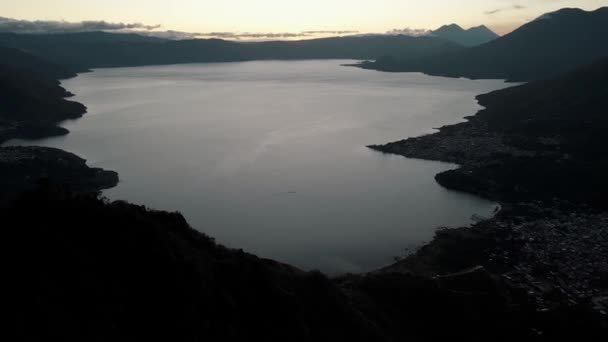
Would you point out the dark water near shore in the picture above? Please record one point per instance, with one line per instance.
(270, 156)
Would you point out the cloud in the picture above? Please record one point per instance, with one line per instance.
(55, 26)
(274, 35)
(253, 35)
(503, 9)
(170, 34)
(52, 26)
(409, 32)
(331, 32)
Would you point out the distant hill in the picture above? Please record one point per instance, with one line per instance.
(571, 108)
(31, 100)
(34, 39)
(541, 140)
(83, 268)
(83, 51)
(19, 60)
(554, 43)
(471, 37)
(29, 97)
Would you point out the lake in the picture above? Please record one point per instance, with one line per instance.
(270, 156)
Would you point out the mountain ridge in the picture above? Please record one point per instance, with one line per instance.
(538, 49)
(83, 268)
(536, 141)
(471, 37)
(81, 52)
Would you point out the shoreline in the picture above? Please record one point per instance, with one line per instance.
(493, 267)
(519, 245)
(448, 145)
(24, 168)
(389, 256)
(103, 184)
(468, 144)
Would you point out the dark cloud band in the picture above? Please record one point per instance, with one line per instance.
(51, 26)
(54, 26)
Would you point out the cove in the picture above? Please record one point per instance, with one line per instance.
(270, 156)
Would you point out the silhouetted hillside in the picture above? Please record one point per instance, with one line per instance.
(353, 47)
(23, 168)
(554, 43)
(471, 37)
(84, 269)
(93, 50)
(18, 60)
(539, 148)
(541, 140)
(572, 109)
(32, 104)
(28, 97)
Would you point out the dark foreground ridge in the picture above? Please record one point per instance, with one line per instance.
(89, 270)
(82, 268)
(539, 149)
(86, 269)
(21, 168)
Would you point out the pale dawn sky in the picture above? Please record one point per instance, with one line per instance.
(280, 16)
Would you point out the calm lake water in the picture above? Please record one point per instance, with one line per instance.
(270, 156)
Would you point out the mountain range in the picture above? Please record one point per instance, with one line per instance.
(18, 60)
(553, 43)
(32, 102)
(83, 51)
(88, 269)
(82, 268)
(474, 36)
(535, 141)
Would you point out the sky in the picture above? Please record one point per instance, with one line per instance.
(291, 18)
